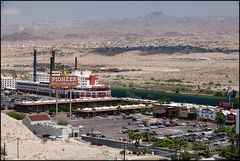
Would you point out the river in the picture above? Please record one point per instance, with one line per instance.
(175, 97)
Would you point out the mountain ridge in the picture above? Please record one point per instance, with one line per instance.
(152, 24)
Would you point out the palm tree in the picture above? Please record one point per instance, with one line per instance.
(137, 137)
(148, 136)
(220, 119)
(182, 142)
(233, 136)
(185, 156)
(163, 100)
(119, 109)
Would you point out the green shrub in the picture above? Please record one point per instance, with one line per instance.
(63, 123)
(2, 107)
(122, 152)
(208, 91)
(16, 115)
(218, 93)
(44, 140)
(174, 80)
(230, 152)
(144, 151)
(218, 85)
(210, 83)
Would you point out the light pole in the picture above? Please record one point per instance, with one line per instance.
(178, 154)
(70, 106)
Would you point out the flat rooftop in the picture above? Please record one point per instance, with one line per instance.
(114, 108)
(53, 101)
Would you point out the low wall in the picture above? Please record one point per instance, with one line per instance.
(129, 146)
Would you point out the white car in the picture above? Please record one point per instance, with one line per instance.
(153, 127)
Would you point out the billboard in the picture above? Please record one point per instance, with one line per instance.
(63, 81)
(227, 105)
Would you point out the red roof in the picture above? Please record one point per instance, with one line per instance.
(39, 118)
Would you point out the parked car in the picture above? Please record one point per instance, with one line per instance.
(190, 130)
(136, 130)
(147, 129)
(197, 130)
(153, 127)
(125, 132)
(143, 128)
(124, 127)
(161, 126)
(154, 132)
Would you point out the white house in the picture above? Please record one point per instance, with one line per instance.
(43, 125)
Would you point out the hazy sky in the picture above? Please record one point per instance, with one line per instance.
(27, 11)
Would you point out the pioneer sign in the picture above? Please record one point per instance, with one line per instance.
(63, 81)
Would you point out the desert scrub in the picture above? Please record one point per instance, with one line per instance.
(78, 139)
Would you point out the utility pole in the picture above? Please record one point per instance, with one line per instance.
(70, 106)
(18, 147)
(4, 151)
(124, 155)
(56, 91)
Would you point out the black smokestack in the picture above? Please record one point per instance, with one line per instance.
(75, 63)
(53, 59)
(34, 65)
(51, 65)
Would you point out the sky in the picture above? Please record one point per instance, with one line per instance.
(17, 12)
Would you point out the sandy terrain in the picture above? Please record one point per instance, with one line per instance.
(33, 148)
(214, 67)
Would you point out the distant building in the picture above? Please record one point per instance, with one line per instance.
(9, 82)
(42, 76)
(192, 113)
(181, 110)
(88, 86)
(43, 125)
(164, 111)
(207, 114)
(230, 116)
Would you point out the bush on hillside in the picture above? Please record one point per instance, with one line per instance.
(16, 115)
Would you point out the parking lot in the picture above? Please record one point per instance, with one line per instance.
(115, 127)
(12, 99)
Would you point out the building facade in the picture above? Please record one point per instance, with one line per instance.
(165, 111)
(9, 82)
(206, 114)
(183, 112)
(43, 125)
